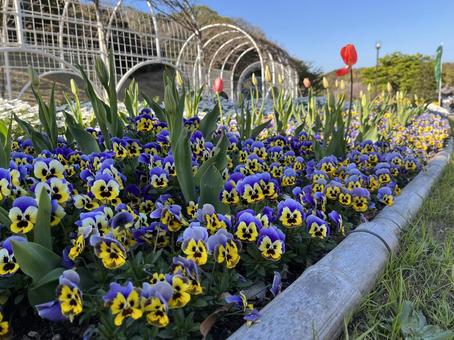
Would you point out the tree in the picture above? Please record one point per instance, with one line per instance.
(413, 74)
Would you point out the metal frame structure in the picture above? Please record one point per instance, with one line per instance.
(53, 36)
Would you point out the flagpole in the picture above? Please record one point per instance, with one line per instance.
(441, 75)
(439, 84)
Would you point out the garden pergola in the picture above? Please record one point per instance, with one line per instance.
(53, 36)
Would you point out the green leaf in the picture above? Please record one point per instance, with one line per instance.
(210, 188)
(3, 130)
(4, 162)
(209, 122)
(98, 106)
(4, 218)
(157, 109)
(41, 231)
(87, 143)
(219, 159)
(40, 141)
(183, 166)
(299, 128)
(34, 259)
(256, 131)
(44, 290)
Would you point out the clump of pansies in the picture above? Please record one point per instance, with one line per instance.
(135, 251)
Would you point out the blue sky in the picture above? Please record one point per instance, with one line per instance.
(314, 30)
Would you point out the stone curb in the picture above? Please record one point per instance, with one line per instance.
(314, 306)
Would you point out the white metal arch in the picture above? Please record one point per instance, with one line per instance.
(232, 90)
(233, 27)
(232, 51)
(157, 61)
(220, 48)
(46, 74)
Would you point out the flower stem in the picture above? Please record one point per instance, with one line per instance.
(220, 109)
(350, 103)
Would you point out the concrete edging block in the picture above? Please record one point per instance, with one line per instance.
(315, 304)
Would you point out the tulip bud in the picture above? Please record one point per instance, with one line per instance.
(34, 77)
(342, 84)
(361, 93)
(336, 84)
(178, 79)
(74, 88)
(268, 74)
(389, 87)
(325, 83)
(254, 79)
(363, 101)
(306, 83)
(218, 85)
(369, 88)
(280, 79)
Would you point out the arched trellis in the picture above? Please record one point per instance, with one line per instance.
(48, 58)
(137, 67)
(233, 34)
(47, 74)
(76, 32)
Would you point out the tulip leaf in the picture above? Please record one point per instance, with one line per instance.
(41, 231)
(157, 109)
(87, 143)
(219, 159)
(34, 259)
(98, 106)
(40, 141)
(299, 128)
(183, 166)
(259, 128)
(211, 187)
(4, 218)
(44, 290)
(209, 122)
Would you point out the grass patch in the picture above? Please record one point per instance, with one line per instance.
(414, 298)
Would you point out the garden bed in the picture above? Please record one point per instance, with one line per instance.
(151, 224)
(315, 305)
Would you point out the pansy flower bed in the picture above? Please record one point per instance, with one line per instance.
(154, 225)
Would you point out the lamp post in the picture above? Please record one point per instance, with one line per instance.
(377, 47)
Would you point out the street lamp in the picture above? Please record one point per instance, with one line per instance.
(377, 46)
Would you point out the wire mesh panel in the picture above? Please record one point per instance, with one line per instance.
(56, 35)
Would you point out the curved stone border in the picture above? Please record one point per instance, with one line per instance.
(314, 306)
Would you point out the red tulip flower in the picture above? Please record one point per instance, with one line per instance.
(350, 57)
(218, 85)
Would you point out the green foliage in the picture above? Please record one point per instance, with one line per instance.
(157, 109)
(282, 109)
(414, 325)
(448, 74)
(39, 140)
(74, 105)
(132, 99)
(41, 231)
(191, 102)
(413, 74)
(174, 102)
(333, 128)
(211, 187)
(109, 121)
(368, 122)
(5, 143)
(209, 122)
(87, 143)
(42, 265)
